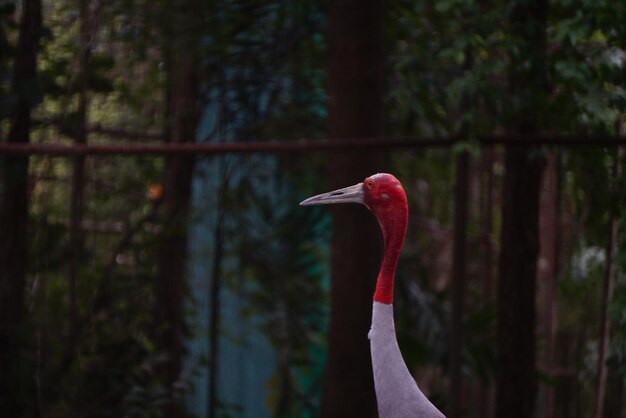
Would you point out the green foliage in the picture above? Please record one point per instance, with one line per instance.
(452, 67)
(449, 62)
(111, 369)
(587, 63)
(444, 54)
(285, 289)
(596, 197)
(269, 59)
(266, 80)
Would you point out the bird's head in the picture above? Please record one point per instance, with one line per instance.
(382, 193)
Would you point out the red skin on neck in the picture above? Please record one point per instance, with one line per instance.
(385, 197)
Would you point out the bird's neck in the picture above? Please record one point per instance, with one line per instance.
(394, 229)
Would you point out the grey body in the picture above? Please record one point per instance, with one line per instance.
(397, 393)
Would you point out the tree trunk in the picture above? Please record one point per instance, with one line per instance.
(615, 395)
(17, 389)
(548, 273)
(516, 379)
(516, 376)
(78, 185)
(458, 282)
(170, 286)
(355, 110)
(214, 297)
(607, 292)
(487, 187)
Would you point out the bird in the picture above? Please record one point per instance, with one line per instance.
(397, 393)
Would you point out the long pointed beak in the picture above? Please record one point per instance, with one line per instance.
(351, 194)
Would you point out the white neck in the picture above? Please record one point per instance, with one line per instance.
(396, 391)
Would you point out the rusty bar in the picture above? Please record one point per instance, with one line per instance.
(299, 146)
(219, 147)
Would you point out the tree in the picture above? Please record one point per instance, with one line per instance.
(78, 177)
(548, 271)
(516, 375)
(607, 292)
(355, 91)
(17, 386)
(170, 286)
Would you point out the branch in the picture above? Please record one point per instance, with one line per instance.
(305, 145)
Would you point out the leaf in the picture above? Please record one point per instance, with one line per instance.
(50, 85)
(46, 34)
(101, 62)
(30, 91)
(100, 84)
(444, 6)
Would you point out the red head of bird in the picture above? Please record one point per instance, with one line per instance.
(383, 194)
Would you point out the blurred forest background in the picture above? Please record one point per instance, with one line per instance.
(171, 285)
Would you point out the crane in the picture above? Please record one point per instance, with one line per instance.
(397, 393)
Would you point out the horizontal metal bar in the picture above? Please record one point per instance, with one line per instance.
(303, 145)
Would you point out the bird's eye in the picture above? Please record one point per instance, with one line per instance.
(369, 184)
